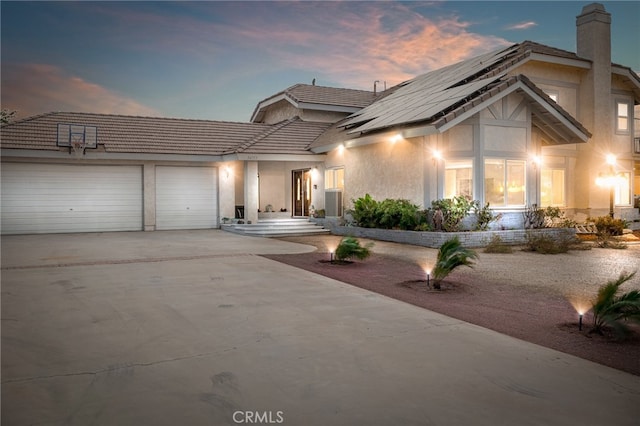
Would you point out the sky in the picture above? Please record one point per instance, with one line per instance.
(216, 60)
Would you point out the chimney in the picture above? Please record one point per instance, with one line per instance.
(594, 33)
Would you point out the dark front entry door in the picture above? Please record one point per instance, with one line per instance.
(301, 189)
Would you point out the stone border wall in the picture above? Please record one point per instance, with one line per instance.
(436, 239)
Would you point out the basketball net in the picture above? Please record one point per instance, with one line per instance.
(78, 148)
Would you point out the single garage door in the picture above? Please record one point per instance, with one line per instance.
(47, 198)
(186, 197)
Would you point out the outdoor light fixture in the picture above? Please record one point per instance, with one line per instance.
(331, 256)
(395, 138)
(580, 321)
(428, 271)
(610, 180)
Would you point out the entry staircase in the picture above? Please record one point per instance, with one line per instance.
(276, 228)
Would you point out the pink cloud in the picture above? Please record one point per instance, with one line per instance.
(390, 43)
(39, 88)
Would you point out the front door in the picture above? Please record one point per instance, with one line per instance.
(301, 190)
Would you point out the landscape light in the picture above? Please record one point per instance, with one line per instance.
(428, 271)
(580, 322)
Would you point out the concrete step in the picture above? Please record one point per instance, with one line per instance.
(276, 228)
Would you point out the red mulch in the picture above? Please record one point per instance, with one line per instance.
(535, 316)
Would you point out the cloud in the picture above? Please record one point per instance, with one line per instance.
(522, 26)
(374, 41)
(39, 88)
(348, 43)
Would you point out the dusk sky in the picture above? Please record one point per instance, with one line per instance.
(217, 60)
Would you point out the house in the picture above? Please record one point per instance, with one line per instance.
(527, 124)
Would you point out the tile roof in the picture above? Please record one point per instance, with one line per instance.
(130, 134)
(291, 136)
(319, 97)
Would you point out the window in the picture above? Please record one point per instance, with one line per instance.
(552, 187)
(458, 178)
(334, 179)
(504, 182)
(622, 116)
(622, 189)
(553, 94)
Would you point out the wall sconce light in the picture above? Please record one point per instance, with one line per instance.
(536, 160)
(227, 172)
(395, 138)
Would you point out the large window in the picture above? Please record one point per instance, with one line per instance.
(552, 188)
(334, 179)
(458, 178)
(622, 116)
(504, 182)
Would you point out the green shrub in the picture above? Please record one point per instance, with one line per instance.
(453, 210)
(496, 245)
(451, 255)
(612, 310)
(397, 213)
(350, 248)
(364, 211)
(534, 217)
(484, 216)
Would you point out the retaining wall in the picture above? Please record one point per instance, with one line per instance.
(436, 239)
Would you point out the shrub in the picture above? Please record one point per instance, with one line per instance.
(397, 213)
(350, 247)
(364, 211)
(454, 210)
(608, 225)
(533, 217)
(611, 309)
(496, 245)
(451, 255)
(546, 244)
(484, 216)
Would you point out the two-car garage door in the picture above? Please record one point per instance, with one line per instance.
(47, 198)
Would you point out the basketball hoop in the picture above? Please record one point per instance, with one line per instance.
(77, 137)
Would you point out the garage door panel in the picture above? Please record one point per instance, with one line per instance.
(43, 198)
(186, 197)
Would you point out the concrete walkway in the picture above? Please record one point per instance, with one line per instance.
(193, 328)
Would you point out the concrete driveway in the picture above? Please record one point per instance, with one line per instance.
(194, 328)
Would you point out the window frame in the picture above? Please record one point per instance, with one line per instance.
(628, 117)
(505, 164)
(564, 185)
(446, 168)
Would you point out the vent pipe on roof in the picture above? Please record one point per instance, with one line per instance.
(313, 82)
(375, 86)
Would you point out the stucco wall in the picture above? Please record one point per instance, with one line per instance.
(383, 170)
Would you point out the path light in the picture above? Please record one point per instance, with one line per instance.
(428, 271)
(580, 321)
(581, 305)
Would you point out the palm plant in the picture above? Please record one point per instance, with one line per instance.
(611, 309)
(451, 255)
(350, 247)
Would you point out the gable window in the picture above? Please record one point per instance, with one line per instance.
(622, 117)
(552, 188)
(458, 178)
(553, 94)
(504, 182)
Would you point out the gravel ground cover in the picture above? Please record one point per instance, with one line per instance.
(529, 296)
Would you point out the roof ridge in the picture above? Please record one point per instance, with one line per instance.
(273, 128)
(29, 118)
(144, 117)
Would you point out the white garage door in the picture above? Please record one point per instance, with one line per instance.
(44, 198)
(186, 197)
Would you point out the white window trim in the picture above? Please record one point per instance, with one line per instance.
(629, 117)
